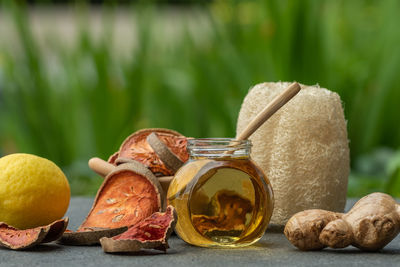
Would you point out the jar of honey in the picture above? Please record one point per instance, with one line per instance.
(222, 198)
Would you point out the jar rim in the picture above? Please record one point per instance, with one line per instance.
(218, 141)
(218, 147)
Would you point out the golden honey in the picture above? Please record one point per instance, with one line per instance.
(222, 198)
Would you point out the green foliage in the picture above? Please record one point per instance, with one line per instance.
(393, 171)
(69, 104)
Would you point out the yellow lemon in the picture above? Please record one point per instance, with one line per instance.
(33, 191)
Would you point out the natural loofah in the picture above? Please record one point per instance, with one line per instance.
(303, 148)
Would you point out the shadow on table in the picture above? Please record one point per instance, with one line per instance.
(144, 253)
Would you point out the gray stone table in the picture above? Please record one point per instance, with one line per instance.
(272, 249)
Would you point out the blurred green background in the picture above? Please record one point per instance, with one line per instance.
(76, 79)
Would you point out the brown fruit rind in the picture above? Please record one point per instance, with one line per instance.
(15, 239)
(137, 148)
(129, 194)
(113, 158)
(172, 161)
(177, 145)
(151, 233)
(56, 230)
(89, 236)
(120, 161)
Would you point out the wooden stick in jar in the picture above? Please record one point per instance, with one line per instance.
(269, 110)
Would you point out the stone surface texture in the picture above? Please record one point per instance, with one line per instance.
(272, 250)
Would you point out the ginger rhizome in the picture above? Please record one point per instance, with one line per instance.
(370, 225)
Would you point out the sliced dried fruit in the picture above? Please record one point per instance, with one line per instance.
(56, 230)
(15, 239)
(172, 161)
(129, 194)
(177, 145)
(113, 158)
(151, 233)
(89, 236)
(120, 161)
(137, 148)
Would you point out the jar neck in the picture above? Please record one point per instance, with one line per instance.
(219, 148)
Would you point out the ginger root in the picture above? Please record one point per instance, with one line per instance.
(370, 225)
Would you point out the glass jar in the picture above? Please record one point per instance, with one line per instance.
(222, 198)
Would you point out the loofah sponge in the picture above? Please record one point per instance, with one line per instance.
(303, 148)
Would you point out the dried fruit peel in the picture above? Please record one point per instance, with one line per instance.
(137, 148)
(56, 230)
(120, 161)
(128, 195)
(89, 236)
(113, 158)
(176, 144)
(170, 159)
(303, 148)
(16, 239)
(27, 238)
(151, 233)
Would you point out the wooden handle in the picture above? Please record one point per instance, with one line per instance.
(269, 110)
(100, 166)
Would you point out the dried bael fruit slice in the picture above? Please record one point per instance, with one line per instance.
(55, 230)
(120, 161)
(129, 194)
(137, 148)
(151, 233)
(15, 239)
(113, 158)
(170, 159)
(89, 236)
